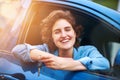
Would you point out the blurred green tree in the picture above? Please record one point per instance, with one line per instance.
(108, 3)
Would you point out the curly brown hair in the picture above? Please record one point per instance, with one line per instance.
(48, 23)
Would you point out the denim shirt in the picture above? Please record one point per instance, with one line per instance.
(88, 55)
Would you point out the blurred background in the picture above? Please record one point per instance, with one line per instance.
(9, 10)
(12, 13)
(114, 4)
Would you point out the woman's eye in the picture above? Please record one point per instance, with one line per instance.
(67, 29)
(57, 32)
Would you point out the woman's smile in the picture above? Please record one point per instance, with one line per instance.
(65, 40)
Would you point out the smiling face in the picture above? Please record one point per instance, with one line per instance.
(63, 34)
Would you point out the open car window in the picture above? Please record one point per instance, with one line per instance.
(96, 32)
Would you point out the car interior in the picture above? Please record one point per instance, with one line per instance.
(96, 32)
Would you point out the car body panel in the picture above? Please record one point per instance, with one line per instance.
(110, 15)
(13, 66)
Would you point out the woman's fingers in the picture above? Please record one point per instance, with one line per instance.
(50, 61)
(47, 59)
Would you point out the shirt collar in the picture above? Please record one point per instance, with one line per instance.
(74, 53)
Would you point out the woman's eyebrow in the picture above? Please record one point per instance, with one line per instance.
(68, 27)
(56, 30)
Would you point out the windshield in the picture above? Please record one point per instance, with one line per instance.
(12, 13)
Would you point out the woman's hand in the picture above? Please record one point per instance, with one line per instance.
(61, 63)
(55, 62)
(52, 61)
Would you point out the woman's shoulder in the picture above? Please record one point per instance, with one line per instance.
(87, 47)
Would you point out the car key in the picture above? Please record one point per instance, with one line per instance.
(39, 67)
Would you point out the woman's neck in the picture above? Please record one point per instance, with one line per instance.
(66, 53)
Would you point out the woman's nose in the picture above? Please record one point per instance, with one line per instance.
(63, 34)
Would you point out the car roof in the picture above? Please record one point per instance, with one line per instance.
(109, 15)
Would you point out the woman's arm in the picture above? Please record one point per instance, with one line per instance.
(30, 53)
(93, 59)
(22, 51)
(56, 62)
(62, 63)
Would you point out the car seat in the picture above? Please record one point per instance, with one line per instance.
(116, 66)
(117, 58)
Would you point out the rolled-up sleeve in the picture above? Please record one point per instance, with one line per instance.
(92, 59)
(86, 61)
(22, 51)
(95, 63)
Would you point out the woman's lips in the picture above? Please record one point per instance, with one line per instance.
(64, 40)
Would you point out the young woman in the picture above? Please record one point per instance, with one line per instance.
(61, 51)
